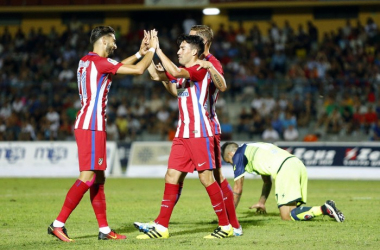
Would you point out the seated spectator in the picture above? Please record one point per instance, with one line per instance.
(226, 128)
(291, 133)
(270, 134)
(244, 118)
(122, 126)
(347, 118)
(370, 119)
(53, 118)
(257, 126)
(376, 131)
(289, 120)
(112, 130)
(334, 122)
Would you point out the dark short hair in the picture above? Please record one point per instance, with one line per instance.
(100, 31)
(224, 146)
(194, 41)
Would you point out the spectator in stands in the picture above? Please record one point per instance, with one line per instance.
(345, 61)
(66, 74)
(370, 119)
(188, 23)
(227, 128)
(334, 123)
(52, 118)
(270, 134)
(291, 133)
(376, 131)
(257, 125)
(289, 120)
(112, 130)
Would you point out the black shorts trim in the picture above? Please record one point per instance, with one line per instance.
(284, 162)
(298, 200)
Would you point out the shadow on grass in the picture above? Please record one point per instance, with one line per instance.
(256, 215)
(93, 236)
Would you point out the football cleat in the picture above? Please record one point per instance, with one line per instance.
(111, 236)
(220, 233)
(154, 233)
(144, 227)
(238, 231)
(333, 211)
(59, 232)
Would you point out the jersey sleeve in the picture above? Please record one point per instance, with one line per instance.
(239, 162)
(107, 66)
(196, 75)
(171, 78)
(217, 65)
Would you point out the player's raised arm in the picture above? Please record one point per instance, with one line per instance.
(217, 78)
(170, 67)
(141, 66)
(144, 48)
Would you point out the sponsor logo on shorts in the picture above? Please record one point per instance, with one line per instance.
(199, 165)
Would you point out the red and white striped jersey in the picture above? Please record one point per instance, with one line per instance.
(94, 81)
(214, 94)
(193, 121)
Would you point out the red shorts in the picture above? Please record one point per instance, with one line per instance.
(189, 154)
(92, 151)
(217, 153)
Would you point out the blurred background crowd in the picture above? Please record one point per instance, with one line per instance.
(284, 83)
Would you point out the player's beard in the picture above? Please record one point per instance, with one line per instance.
(109, 50)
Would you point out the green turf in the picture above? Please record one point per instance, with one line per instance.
(28, 206)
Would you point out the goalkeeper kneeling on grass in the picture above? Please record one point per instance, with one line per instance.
(288, 173)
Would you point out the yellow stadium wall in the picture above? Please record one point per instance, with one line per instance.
(295, 17)
(46, 23)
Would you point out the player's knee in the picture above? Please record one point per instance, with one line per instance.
(206, 178)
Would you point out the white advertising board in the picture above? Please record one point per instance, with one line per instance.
(48, 159)
(358, 161)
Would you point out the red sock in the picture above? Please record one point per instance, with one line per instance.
(179, 191)
(167, 205)
(73, 197)
(215, 194)
(98, 201)
(228, 198)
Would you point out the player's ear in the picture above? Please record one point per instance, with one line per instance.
(104, 40)
(194, 52)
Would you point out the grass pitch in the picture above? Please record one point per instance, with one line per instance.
(28, 206)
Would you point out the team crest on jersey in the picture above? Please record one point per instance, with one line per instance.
(112, 61)
(100, 161)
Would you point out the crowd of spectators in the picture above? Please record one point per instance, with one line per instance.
(283, 79)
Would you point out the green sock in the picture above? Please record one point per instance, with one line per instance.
(305, 213)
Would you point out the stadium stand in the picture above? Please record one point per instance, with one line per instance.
(324, 86)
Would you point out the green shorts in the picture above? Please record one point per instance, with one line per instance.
(291, 183)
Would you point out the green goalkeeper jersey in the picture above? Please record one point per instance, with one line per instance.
(260, 158)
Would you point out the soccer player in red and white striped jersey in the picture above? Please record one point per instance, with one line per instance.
(193, 145)
(214, 67)
(94, 80)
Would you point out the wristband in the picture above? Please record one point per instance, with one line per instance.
(152, 49)
(138, 55)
